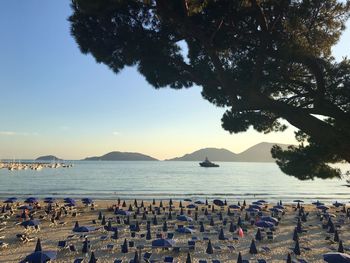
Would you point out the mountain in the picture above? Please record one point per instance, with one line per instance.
(260, 152)
(121, 156)
(48, 158)
(214, 154)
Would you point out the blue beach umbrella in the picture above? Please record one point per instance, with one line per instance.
(40, 256)
(251, 210)
(49, 200)
(31, 200)
(86, 201)
(279, 207)
(255, 207)
(264, 224)
(163, 243)
(317, 203)
(322, 207)
(25, 207)
(276, 210)
(184, 218)
(185, 230)
(191, 206)
(262, 201)
(298, 201)
(337, 204)
(199, 202)
(188, 200)
(269, 219)
(122, 212)
(10, 200)
(234, 206)
(336, 257)
(257, 203)
(218, 202)
(69, 200)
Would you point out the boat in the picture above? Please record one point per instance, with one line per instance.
(208, 163)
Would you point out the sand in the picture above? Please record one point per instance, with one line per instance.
(313, 242)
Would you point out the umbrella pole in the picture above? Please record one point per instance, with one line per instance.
(140, 251)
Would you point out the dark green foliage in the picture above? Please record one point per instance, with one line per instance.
(262, 60)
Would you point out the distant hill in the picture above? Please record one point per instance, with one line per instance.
(121, 156)
(260, 152)
(214, 154)
(48, 158)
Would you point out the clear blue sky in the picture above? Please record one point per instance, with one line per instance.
(54, 100)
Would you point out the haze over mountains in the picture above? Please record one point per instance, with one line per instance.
(257, 153)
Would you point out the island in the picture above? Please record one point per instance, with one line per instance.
(49, 158)
(121, 156)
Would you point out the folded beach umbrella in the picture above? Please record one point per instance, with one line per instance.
(258, 235)
(115, 234)
(33, 222)
(92, 258)
(295, 234)
(124, 247)
(201, 228)
(253, 249)
(86, 246)
(165, 226)
(336, 257)
(184, 230)
(184, 218)
(209, 248)
(136, 257)
(188, 259)
(148, 234)
(340, 247)
(296, 249)
(336, 236)
(269, 219)
(264, 224)
(239, 258)
(162, 243)
(39, 256)
(221, 234)
(218, 202)
(289, 258)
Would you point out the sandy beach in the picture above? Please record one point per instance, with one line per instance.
(315, 240)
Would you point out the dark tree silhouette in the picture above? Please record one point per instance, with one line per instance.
(263, 60)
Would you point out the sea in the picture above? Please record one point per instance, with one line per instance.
(233, 181)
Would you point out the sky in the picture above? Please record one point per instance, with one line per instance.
(55, 100)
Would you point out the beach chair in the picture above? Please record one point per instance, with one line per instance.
(147, 257)
(118, 261)
(191, 244)
(78, 260)
(216, 261)
(62, 244)
(261, 261)
(168, 259)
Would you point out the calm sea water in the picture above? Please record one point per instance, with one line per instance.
(162, 180)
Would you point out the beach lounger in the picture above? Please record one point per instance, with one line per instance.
(118, 261)
(78, 260)
(3, 244)
(261, 261)
(216, 261)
